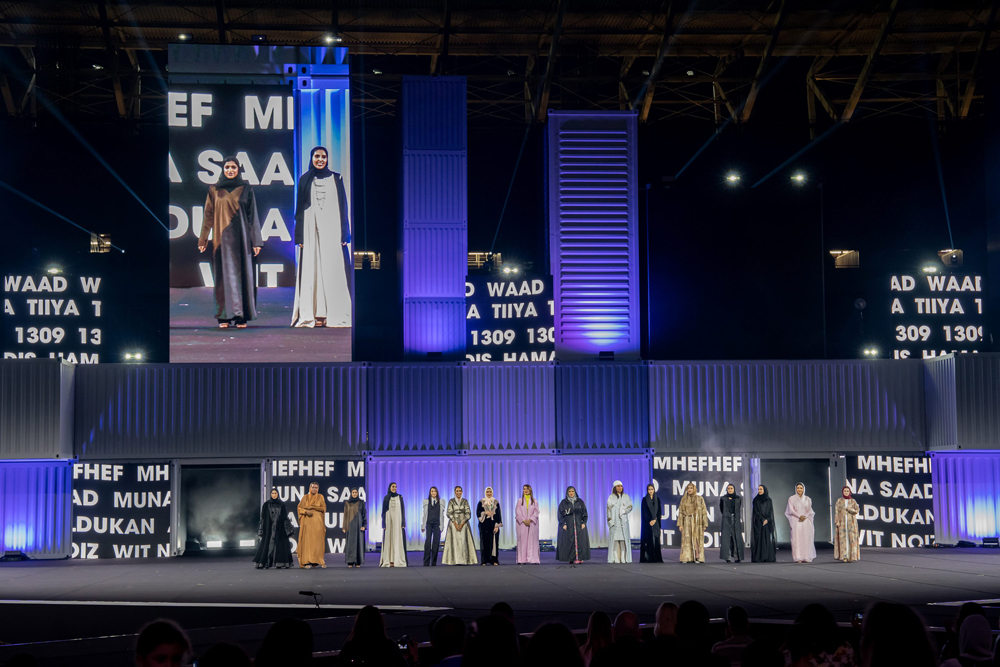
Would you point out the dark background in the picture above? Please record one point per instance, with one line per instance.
(780, 477)
(735, 270)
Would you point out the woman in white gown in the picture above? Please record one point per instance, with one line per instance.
(619, 539)
(800, 518)
(393, 530)
(323, 235)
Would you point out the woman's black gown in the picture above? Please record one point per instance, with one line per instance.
(762, 546)
(274, 529)
(487, 538)
(732, 528)
(574, 542)
(649, 544)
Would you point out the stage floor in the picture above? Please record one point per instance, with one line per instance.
(47, 600)
(196, 338)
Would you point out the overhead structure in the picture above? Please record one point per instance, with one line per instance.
(664, 59)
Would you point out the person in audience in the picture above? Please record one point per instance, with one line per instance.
(312, 529)
(368, 643)
(762, 653)
(526, 514)
(225, 655)
(628, 647)
(161, 643)
(600, 635)
(649, 543)
(573, 543)
(821, 639)
(393, 529)
(738, 636)
(503, 609)
(432, 520)
(552, 644)
(448, 640)
(949, 648)
(975, 644)
(273, 549)
(731, 510)
(288, 643)
(459, 547)
(892, 635)
(665, 630)
(492, 643)
(355, 525)
(694, 638)
(692, 521)
(619, 538)
(490, 522)
(763, 548)
(845, 528)
(800, 518)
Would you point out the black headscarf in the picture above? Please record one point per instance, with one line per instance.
(230, 183)
(576, 496)
(650, 502)
(310, 175)
(761, 499)
(732, 495)
(273, 501)
(389, 493)
(352, 499)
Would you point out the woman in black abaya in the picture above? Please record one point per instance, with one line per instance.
(652, 510)
(274, 549)
(573, 544)
(762, 546)
(731, 508)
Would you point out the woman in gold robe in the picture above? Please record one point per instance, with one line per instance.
(459, 546)
(845, 528)
(312, 528)
(692, 520)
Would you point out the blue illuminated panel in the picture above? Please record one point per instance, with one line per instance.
(36, 508)
(593, 227)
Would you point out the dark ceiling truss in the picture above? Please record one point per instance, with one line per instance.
(711, 59)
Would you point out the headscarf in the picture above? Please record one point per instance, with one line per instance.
(576, 496)
(230, 183)
(847, 495)
(975, 641)
(352, 499)
(689, 501)
(389, 491)
(305, 183)
(795, 491)
(615, 486)
(313, 172)
(650, 502)
(431, 501)
(351, 508)
(273, 501)
(760, 502)
(489, 504)
(731, 496)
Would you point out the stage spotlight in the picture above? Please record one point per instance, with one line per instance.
(511, 72)
(213, 544)
(332, 39)
(798, 178)
(376, 72)
(248, 543)
(690, 72)
(184, 36)
(95, 66)
(645, 72)
(952, 257)
(930, 268)
(54, 270)
(871, 352)
(732, 178)
(133, 356)
(258, 39)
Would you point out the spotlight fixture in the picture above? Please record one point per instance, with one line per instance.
(332, 39)
(871, 352)
(184, 36)
(732, 178)
(952, 257)
(258, 39)
(54, 271)
(376, 72)
(690, 72)
(930, 268)
(507, 270)
(133, 356)
(645, 72)
(96, 66)
(214, 544)
(798, 178)
(511, 72)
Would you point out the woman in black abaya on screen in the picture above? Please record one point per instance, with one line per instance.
(762, 547)
(231, 219)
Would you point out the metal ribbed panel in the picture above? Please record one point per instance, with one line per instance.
(434, 246)
(593, 226)
(433, 113)
(36, 409)
(435, 188)
(414, 407)
(434, 325)
(977, 400)
(36, 510)
(787, 406)
(939, 399)
(966, 502)
(602, 406)
(163, 411)
(508, 406)
(548, 475)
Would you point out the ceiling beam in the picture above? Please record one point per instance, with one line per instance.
(8, 98)
(545, 85)
(654, 71)
(984, 40)
(866, 69)
(109, 48)
(220, 21)
(772, 41)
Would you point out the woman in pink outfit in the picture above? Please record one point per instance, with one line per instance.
(526, 513)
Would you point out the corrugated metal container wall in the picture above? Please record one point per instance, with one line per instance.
(211, 410)
(36, 409)
(435, 188)
(36, 508)
(434, 325)
(940, 404)
(508, 406)
(966, 502)
(602, 406)
(787, 406)
(548, 476)
(977, 400)
(414, 407)
(433, 113)
(435, 246)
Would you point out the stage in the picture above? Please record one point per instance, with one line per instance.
(196, 338)
(216, 597)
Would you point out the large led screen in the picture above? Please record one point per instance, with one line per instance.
(261, 265)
